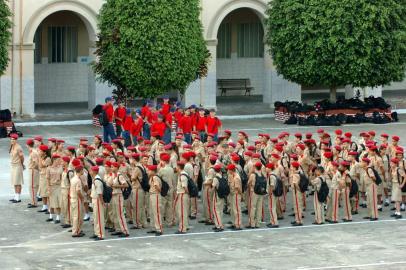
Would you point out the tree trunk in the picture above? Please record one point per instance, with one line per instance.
(333, 94)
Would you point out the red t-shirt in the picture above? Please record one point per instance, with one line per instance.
(166, 108)
(145, 111)
(213, 124)
(186, 124)
(152, 117)
(120, 113)
(178, 116)
(158, 127)
(201, 123)
(108, 108)
(128, 122)
(168, 120)
(137, 127)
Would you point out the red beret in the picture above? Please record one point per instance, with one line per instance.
(243, 133)
(328, 154)
(140, 139)
(298, 135)
(383, 146)
(115, 164)
(384, 135)
(235, 158)
(66, 159)
(256, 155)
(334, 163)
(231, 144)
(346, 141)
(258, 164)
(267, 136)
(353, 153)
(99, 160)
(372, 133)
(348, 134)
(55, 155)
(213, 158)
(227, 131)
(60, 141)
(29, 141)
(309, 135)
(38, 138)
(43, 147)
(345, 163)
(395, 138)
(367, 160)
(95, 168)
(251, 148)
(83, 139)
(108, 163)
(14, 136)
(394, 160)
(165, 157)
(371, 146)
(337, 147)
(186, 155)
(339, 132)
(76, 162)
(275, 155)
(211, 144)
(145, 155)
(135, 155)
(326, 135)
(90, 148)
(147, 142)
(181, 162)
(210, 135)
(274, 140)
(51, 140)
(152, 167)
(257, 142)
(142, 148)
(294, 156)
(217, 167)
(187, 146)
(154, 134)
(121, 154)
(248, 153)
(98, 136)
(109, 148)
(231, 167)
(295, 164)
(320, 131)
(168, 146)
(301, 146)
(270, 166)
(131, 148)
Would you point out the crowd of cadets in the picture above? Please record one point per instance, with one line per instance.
(241, 177)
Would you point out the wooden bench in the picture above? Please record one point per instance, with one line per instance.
(234, 84)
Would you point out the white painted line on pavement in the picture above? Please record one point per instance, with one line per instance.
(200, 233)
(353, 266)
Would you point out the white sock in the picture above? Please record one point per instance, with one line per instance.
(397, 213)
(18, 197)
(402, 206)
(57, 217)
(44, 207)
(387, 200)
(50, 216)
(379, 206)
(15, 196)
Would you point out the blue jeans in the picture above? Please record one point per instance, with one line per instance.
(216, 137)
(167, 136)
(188, 138)
(202, 136)
(109, 133)
(127, 137)
(146, 131)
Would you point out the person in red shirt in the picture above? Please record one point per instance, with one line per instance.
(146, 114)
(159, 127)
(166, 107)
(119, 115)
(168, 123)
(186, 125)
(137, 125)
(213, 124)
(178, 114)
(127, 125)
(201, 125)
(108, 129)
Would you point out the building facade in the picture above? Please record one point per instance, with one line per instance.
(53, 45)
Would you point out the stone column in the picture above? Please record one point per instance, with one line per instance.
(209, 84)
(268, 67)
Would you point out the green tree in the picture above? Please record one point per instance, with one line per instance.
(5, 35)
(149, 47)
(338, 42)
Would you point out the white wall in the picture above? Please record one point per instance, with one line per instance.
(241, 68)
(56, 83)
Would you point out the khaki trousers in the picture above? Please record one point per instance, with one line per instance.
(272, 202)
(218, 205)
(318, 209)
(33, 185)
(98, 218)
(372, 201)
(346, 203)
(182, 204)
(207, 204)
(138, 208)
(297, 204)
(77, 216)
(235, 202)
(156, 215)
(332, 208)
(255, 215)
(118, 213)
(65, 206)
(167, 208)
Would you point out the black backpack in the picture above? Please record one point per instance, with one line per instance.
(400, 181)
(244, 179)
(322, 194)
(223, 190)
(191, 186)
(260, 185)
(353, 188)
(278, 189)
(303, 182)
(103, 120)
(378, 179)
(126, 191)
(145, 180)
(164, 187)
(107, 191)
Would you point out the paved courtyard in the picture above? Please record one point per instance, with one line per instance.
(28, 242)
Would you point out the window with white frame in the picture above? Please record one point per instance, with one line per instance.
(62, 44)
(250, 38)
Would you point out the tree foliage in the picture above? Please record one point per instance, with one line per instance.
(5, 35)
(338, 42)
(149, 47)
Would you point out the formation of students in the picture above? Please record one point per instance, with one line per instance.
(151, 183)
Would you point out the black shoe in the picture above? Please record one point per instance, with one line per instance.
(393, 215)
(148, 220)
(249, 227)
(130, 222)
(402, 209)
(70, 230)
(39, 199)
(123, 235)
(65, 226)
(398, 216)
(386, 204)
(42, 211)
(315, 223)
(229, 222)
(93, 236)
(47, 212)
(158, 234)
(209, 223)
(32, 206)
(297, 224)
(179, 232)
(292, 215)
(15, 201)
(134, 228)
(332, 222)
(293, 222)
(192, 217)
(236, 229)
(231, 227)
(373, 219)
(202, 221)
(354, 212)
(366, 217)
(57, 221)
(380, 209)
(363, 206)
(117, 233)
(270, 226)
(393, 209)
(49, 220)
(86, 219)
(280, 218)
(312, 213)
(11, 200)
(151, 231)
(98, 239)
(347, 220)
(219, 230)
(245, 212)
(111, 230)
(81, 234)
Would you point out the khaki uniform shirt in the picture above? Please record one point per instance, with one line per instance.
(75, 187)
(15, 155)
(182, 183)
(97, 188)
(168, 175)
(33, 160)
(235, 184)
(118, 179)
(54, 175)
(155, 184)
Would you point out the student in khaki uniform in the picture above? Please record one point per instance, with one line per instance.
(208, 192)
(218, 203)
(256, 200)
(189, 168)
(272, 199)
(318, 206)
(109, 211)
(138, 194)
(355, 173)
(167, 174)
(155, 200)
(98, 204)
(398, 181)
(54, 179)
(371, 189)
(67, 175)
(17, 167)
(344, 185)
(33, 173)
(333, 206)
(120, 223)
(235, 196)
(44, 162)
(297, 195)
(76, 196)
(182, 199)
